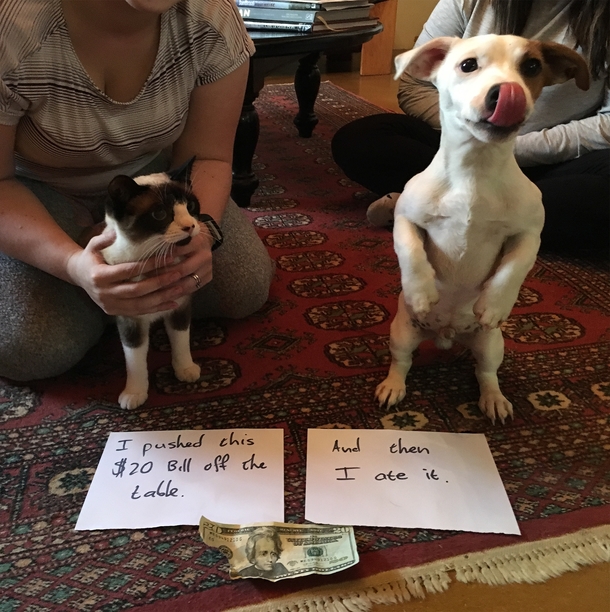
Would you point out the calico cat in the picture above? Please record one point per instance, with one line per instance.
(150, 216)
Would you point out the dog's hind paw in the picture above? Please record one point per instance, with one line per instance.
(390, 392)
(188, 374)
(129, 401)
(495, 405)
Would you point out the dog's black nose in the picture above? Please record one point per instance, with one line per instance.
(491, 99)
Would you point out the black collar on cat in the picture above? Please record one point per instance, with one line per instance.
(213, 228)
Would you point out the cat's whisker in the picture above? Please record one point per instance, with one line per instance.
(164, 253)
(152, 246)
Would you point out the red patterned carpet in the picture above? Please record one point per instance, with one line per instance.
(310, 358)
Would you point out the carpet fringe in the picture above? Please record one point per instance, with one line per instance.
(529, 562)
(536, 561)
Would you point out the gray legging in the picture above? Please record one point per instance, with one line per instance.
(47, 325)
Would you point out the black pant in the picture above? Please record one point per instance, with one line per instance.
(382, 152)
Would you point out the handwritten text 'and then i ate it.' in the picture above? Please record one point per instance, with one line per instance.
(349, 472)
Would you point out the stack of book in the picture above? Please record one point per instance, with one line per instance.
(305, 15)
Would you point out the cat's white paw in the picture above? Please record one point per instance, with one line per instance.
(189, 374)
(129, 401)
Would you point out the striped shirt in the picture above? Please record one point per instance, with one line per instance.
(62, 116)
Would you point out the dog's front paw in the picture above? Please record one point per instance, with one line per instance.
(189, 373)
(129, 400)
(421, 297)
(489, 314)
(390, 391)
(495, 405)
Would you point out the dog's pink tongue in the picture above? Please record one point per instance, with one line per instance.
(510, 109)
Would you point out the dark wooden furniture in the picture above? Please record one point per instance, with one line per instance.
(274, 49)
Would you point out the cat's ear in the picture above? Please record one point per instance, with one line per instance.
(182, 174)
(122, 190)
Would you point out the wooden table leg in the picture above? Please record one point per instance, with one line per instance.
(245, 181)
(306, 86)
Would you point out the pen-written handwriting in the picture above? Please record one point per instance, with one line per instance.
(345, 473)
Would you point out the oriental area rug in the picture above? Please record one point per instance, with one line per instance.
(311, 358)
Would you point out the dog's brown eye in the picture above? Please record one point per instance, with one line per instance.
(531, 67)
(469, 65)
(159, 215)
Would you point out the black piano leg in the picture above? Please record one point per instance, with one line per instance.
(306, 86)
(245, 181)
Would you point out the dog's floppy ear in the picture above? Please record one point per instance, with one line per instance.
(564, 64)
(423, 61)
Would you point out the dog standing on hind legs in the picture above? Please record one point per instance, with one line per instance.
(467, 229)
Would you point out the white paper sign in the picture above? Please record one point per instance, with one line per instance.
(405, 479)
(155, 478)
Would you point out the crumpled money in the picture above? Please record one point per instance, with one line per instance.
(275, 551)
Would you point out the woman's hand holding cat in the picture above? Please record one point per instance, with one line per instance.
(195, 261)
(111, 286)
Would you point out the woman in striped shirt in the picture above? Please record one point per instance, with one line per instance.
(94, 88)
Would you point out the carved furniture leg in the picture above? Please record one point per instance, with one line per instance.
(245, 181)
(306, 86)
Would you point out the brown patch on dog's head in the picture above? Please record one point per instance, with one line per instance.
(561, 64)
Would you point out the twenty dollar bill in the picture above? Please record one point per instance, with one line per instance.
(275, 551)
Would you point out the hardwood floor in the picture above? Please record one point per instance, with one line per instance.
(587, 590)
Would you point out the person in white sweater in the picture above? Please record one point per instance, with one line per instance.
(564, 147)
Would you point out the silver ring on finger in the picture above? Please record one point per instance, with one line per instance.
(197, 280)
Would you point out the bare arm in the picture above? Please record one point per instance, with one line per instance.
(209, 134)
(27, 230)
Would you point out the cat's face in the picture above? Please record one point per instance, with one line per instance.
(153, 210)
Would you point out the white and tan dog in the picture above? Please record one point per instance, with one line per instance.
(467, 229)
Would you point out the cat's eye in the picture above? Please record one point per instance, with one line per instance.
(531, 67)
(159, 215)
(469, 65)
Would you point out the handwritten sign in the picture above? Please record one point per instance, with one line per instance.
(405, 479)
(154, 478)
